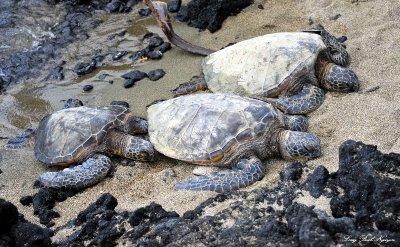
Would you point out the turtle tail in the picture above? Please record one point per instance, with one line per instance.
(78, 177)
(246, 172)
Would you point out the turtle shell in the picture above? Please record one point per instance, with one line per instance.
(262, 66)
(71, 135)
(211, 129)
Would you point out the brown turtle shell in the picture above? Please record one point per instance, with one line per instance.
(72, 135)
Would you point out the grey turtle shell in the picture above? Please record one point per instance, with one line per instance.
(71, 135)
(211, 129)
(262, 66)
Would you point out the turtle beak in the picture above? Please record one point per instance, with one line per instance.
(160, 13)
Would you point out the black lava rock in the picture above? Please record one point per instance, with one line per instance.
(87, 88)
(8, 216)
(121, 103)
(70, 103)
(144, 12)
(118, 55)
(155, 41)
(155, 75)
(292, 172)
(132, 77)
(340, 206)
(28, 234)
(174, 5)
(135, 75)
(26, 200)
(138, 55)
(316, 181)
(154, 55)
(85, 68)
(164, 47)
(251, 217)
(210, 14)
(44, 201)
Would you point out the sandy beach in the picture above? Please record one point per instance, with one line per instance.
(370, 116)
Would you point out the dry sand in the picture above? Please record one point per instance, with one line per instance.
(372, 28)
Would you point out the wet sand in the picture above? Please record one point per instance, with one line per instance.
(372, 117)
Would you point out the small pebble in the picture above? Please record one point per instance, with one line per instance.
(87, 88)
(342, 39)
(144, 12)
(372, 89)
(103, 76)
(117, 56)
(156, 74)
(111, 81)
(120, 102)
(70, 103)
(26, 200)
(335, 17)
(260, 6)
(154, 55)
(167, 174)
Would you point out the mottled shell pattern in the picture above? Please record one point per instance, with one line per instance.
(211, 129)
(71, 135)
(258, 66)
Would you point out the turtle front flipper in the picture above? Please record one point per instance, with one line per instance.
(131, 147)
(308, 99)
(195, 84)
(78, 177)
(246, 172)
(24, 139)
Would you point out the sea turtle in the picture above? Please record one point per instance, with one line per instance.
(84, 134)
(289, 69)
(225, 130)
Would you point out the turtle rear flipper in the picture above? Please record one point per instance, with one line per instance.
(245, 172)
(305, 101)
(88, 173)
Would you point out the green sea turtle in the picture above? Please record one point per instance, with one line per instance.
(289, 70)
(83, 134)
(225, 130)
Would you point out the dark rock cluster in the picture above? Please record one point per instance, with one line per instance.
(43, 203)
(366, 213)
(78, 21)
(210, 14)
(155, 48)
(16, 231)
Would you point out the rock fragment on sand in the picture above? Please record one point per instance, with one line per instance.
(156, 74)
(87, 88)
(317, 180)
(85, 68)
(120, 102)
(118, 55)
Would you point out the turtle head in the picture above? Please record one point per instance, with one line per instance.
(299, 145)
(335, 49)
(339, 79)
